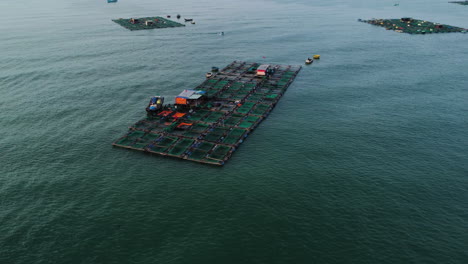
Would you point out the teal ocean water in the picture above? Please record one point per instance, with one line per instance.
(364, 159)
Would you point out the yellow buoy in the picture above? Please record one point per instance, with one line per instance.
(316, 57)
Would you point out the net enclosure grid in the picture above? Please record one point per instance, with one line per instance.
(236, 100)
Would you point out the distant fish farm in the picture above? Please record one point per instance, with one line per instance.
(147, 23)
(413, 26)
(207, 124)
(459, 2)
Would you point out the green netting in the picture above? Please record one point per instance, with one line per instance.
(157, 128)
(245, 90)
(199, 128)
(227, 108)
(262, 91)
(186, 142)
(237, 132)
(151, 136)
(276, 91)
(212, 137)
(218, 87)
(125, 141)
(216, 134)
(232, 121)
(220, 152)
(181, 147)
(233, 89)
(195, 117)
(206, 146)
(243, 110)
(198, 115)
(135, 134)
(231, 140)
(140, 144)
(246, 107)
(202, 112)
(197, 154)
(252, 119)
(239, 97)
(213, 117)
(234, 137)
(260, 109)
(220, 130)
(255, 97)
(192, 134)
(246, 124)
(262, 106)
(271, 96)
(170, 127)
(166, 141)
(158, 149)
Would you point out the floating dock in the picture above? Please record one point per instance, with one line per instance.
(459, 2)
(207, 124)
(146, 23)
(413, 26)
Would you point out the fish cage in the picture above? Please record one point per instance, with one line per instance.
(413, 26)
(459, 2)
(235, 101)
(146, 23)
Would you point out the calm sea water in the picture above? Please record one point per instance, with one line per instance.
(364, 160)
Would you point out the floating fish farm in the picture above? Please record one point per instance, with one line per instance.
(460, 2)
(413, 26)
(207, 124)
(146, 23)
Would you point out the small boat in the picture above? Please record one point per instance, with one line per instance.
(178, 16)
(155, 105)
(209, 74)
(111, 1)
(193, 22)
(316, 57)
(168, 16)
(188, 19)
(309, 61)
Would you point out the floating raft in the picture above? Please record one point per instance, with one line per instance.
(236, 101)
(413, 26)
(460, 2)
(146, 23)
